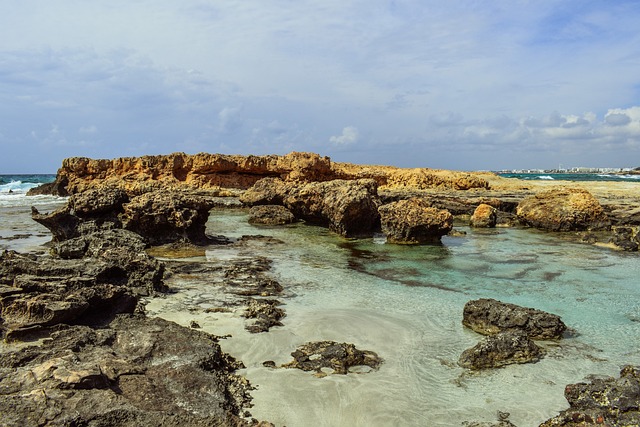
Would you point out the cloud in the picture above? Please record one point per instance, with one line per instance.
(617, 119)
(349, 136)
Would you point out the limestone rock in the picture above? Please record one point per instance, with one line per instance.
(566, 209)
(136, 372)
(501, 349)
(165, 217)
(265, 313)
(413, 221)
(339, 357)
(349, 208)
(489, 316)
(270, 215)
(484, 216)
(626, 238)
(612, 402)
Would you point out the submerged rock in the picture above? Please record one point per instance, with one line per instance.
(566, 209)
(414, 221)
(136, 372)
(265, 314)
(340, 357)
(489, 316)
(501, 349)
(613, 402)
(626, 238)
(270, 215)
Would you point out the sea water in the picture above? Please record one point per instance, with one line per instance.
(405, 303)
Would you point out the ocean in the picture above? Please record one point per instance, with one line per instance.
(573, 177)
(405, 303)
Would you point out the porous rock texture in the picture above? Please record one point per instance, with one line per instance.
(159, 216)
(271, 215)
(138, 175)
(489, 316)
(414, 221)
(563, 209)
(484, 216)
(613, 402)
(501, 349)
(339, 357)
(135, 372)
(349, 208)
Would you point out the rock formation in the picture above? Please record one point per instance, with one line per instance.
(489, 316)
(484, 216)
(501, 349)
(565, 209)
(271, 215)
(159, 216)
(139, 175)
(135, 372)
(339, 357)
(413, 221)
(510, 329)
(613, 402)
(349, 208)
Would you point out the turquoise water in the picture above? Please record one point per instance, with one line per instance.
(406, 304)
(574, 176)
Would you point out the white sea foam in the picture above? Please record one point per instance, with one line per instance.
(547, 177)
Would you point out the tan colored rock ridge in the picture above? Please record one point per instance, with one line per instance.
(138, 175)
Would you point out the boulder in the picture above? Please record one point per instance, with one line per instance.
(484, 216)
(413, 221)
(565, 209)
(489, 316)
(95, 210)
(349, 208)
(271, 215)
(339, 357)
(136, 372)
(611, 402)
(165, 217)
(501, 349)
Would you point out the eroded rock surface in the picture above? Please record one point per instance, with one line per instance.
(613, 402)
(484, 216)
(339, 357)
(413, 221)
(489, 316)
(501, 349)
(137, 371)
(564, 209)
(271, 215)
(349, 208)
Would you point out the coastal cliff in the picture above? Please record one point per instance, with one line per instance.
(138, 175)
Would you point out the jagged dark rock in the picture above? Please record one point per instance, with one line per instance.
(264, 314)
(489, 316)
(613, 402)
(137, 371)
(347, 207)
(501, 349)
(339, 357)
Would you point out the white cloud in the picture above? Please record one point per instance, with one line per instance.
(349, 136)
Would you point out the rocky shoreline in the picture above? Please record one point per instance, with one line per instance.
(85, 297)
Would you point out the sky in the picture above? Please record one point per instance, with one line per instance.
(460, 84)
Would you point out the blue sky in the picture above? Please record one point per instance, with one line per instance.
(464, 85)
